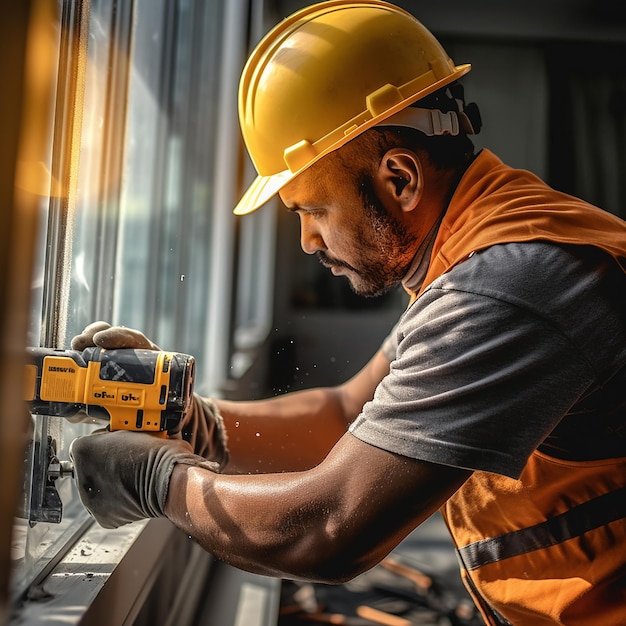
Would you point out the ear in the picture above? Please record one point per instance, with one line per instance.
(400, 175)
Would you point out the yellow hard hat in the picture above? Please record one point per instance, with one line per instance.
(323, 76)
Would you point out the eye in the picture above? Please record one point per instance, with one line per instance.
(312, 212)
(315, 213)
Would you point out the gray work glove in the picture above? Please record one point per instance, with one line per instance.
(124, 476)
(202, 425)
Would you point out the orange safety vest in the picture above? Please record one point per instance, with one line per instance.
(549, 547)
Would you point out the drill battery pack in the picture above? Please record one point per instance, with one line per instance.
(141, 390)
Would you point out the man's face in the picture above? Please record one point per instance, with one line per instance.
(345, 224)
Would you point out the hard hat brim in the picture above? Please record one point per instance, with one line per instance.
(263, 188)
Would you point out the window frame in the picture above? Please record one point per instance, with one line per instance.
(57, 283)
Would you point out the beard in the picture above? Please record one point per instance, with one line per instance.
(385, 247)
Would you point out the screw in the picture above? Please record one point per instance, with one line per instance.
(60, 469)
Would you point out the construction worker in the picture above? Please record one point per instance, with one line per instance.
(497, 398)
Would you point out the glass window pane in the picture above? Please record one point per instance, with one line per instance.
(128, 242)
(164, 257)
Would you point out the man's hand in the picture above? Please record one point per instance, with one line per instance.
(124, 476)
(103, 335)
(202, 425)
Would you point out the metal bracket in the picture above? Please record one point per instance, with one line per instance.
(42, 502)
(45, 502)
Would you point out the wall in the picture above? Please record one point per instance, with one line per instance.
(512, 47)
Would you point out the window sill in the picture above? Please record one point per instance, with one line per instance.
(80, 582)
(144, 573)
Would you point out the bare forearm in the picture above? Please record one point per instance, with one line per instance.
(296, 431)
(288, 433)
(329, 523)
(231, 517)
(290, 524)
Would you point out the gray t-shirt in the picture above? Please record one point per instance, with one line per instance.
(512, 346)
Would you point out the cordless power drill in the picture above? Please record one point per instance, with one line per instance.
(140, 390)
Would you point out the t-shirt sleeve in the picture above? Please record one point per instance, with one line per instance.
(479, 379)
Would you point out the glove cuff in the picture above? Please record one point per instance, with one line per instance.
(204, 429)
(156, 495)
(220, 452)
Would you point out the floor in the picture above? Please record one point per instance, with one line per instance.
(418, 584)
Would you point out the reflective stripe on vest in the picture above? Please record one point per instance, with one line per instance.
(590, 515)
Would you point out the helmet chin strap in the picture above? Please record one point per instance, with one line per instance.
(428, 121)
(433, 121)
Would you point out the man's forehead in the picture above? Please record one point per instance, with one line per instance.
(312, 185)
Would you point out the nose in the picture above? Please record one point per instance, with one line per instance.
(311, 239)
